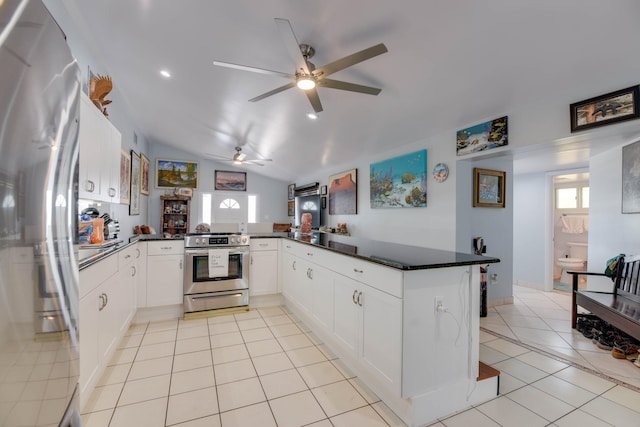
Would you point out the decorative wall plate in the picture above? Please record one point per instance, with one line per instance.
(440, 172)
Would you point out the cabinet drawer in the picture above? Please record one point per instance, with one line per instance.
(385, 279)
(169, 247)
(127, 256)
(264, 245)
(92, 276)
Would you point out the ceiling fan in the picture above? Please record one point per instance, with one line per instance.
(307, 77)
(239, 158)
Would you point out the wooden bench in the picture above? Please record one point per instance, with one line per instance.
(620, 307)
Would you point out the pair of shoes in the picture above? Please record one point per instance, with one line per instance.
(623, 349)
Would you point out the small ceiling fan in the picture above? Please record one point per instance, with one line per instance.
(239, 158)
(307, 77)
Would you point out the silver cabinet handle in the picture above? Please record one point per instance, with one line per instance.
(138, 252)
(180, 264)
(355, 270)
(165, 248)
(127, 256)
(353, 297)
(101, 303)
(106, 297)
(263, 245)
(133, 271)
(310, 273)
(251, 260)
(360, 298)
(288, 246)
(309, 253)
(90, 187)
(293, 265)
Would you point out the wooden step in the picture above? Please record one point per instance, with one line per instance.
(485, 372)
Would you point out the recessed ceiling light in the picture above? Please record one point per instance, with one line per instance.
(165, 73)
(312, 116)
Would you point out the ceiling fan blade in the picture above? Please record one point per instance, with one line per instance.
(217, 156)
(337, 84)
(314, 99)
(252, 162)
(254, 69)
(292, 45)
(349, 60)
(273, 92)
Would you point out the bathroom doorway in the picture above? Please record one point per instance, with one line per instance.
(570, 227)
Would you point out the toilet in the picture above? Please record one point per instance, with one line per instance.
(576, 261)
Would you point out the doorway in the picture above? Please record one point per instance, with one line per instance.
(230, 209)
(570, 226)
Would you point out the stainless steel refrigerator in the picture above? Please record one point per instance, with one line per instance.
(39, 103)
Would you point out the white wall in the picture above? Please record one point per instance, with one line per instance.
(530, 207)
(432, 226)
(495, 225)
(272, 194)
(610, 231)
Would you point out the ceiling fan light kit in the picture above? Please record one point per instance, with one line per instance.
(307, 77)
(239, 158)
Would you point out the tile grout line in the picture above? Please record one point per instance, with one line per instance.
(560, 359)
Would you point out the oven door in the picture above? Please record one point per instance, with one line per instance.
(196, 272)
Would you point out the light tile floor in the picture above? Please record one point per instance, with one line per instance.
(265, 368)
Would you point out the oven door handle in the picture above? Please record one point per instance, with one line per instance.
(206, 252)
(237, 294)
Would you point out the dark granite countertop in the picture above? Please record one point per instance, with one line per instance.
(402, 257)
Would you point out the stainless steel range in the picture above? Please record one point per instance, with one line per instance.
(216, 273)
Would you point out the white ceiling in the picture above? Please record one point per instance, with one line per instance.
(451, 63)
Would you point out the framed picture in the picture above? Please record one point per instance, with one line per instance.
(231, 181)
(134, 205)
(145, 167)
(606, 109)
(291, 208)
(488, 188)
(343, 193)
(400, 182)
(176, 173)
(125, 177)
(630, 178)
(323, 190)
(485, 136)
(291, 192)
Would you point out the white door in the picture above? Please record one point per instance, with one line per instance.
(230, 208)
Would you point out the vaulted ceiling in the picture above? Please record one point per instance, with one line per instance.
(450, 63)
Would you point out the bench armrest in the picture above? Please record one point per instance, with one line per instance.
(586, 273)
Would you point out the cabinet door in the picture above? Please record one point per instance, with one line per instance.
(289, 267)
(125, 293)
(263, 273)
(345, 312)
(164, 280)
(88, 327)
(380, 346)
(322, 296)
(112, 169)
(108, 325)
(91, 161)
(141, 276)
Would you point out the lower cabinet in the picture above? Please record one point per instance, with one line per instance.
(365, 322)
(164, 272)
(263, 269)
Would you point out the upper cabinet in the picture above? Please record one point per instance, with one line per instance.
(100, 144)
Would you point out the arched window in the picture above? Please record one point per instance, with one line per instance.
(229, 204)
(309, 206)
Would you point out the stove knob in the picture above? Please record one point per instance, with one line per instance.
(197, 241)
(234, 240)
(244, 240)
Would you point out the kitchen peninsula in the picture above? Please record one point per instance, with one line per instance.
(404, 319)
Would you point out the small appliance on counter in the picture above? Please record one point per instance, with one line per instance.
(111, 227)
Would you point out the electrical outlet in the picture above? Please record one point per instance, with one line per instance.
(438, 303)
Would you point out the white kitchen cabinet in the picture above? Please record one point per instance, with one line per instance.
(263, 271)
(99, 160)
(99, 326)
(289, 266)
(141, 283)
(165, 272)
(127, 286)
(322, 284)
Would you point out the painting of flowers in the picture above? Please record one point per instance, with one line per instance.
(400, 182)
